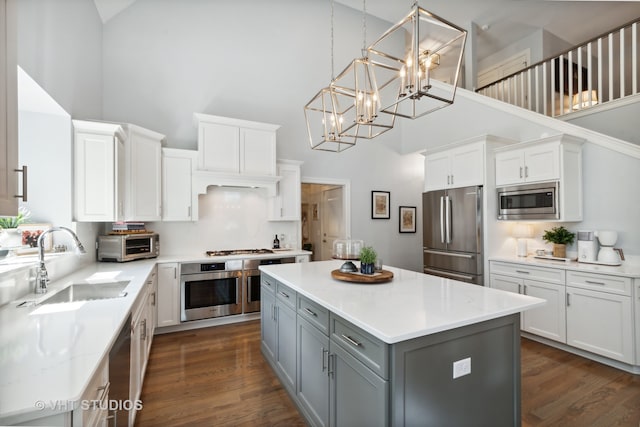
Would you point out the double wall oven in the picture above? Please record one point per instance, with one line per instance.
(221, 288)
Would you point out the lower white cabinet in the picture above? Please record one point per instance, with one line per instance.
(142, 329)
(168, 304)
(589, 311)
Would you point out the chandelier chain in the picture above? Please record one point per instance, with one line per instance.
(333, 75)
(364, 25)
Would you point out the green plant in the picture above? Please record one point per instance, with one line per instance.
(368, 255)
(559, 236)
(15, 221)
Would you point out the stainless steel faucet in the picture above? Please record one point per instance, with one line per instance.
(42, 277)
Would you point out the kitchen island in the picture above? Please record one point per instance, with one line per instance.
(418, 350)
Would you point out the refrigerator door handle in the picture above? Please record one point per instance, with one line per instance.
(452, 254)
(441, 219)
(448, 218)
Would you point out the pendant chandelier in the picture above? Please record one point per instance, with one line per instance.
(427, 53)
(325, 115)
(359, 82)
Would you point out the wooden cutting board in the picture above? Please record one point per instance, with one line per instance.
(378, 277)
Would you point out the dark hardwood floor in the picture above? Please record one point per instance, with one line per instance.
(217, 377)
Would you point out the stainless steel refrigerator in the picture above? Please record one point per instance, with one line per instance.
(452, 239)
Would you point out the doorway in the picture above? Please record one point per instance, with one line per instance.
(324, 213)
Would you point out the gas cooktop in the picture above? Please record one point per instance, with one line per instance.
(239, 252)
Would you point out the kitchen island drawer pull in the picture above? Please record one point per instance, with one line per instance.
(593, 282)
(351, 340)
(283, 294)
(311, 312)
(523, 272)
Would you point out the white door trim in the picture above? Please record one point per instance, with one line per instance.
(346, 195)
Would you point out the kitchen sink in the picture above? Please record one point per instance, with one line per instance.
(88, 292)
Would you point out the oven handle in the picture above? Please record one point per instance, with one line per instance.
(248, 274)
(210, 275)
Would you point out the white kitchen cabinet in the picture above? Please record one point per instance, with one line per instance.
(235, 146)
(285, 206)
(599, 315)
(636, 309)
(142, 328)
(549, 159)
(143, 174)
(549, 320)
(461, 166)
(117, 172)
(8, 109)
(99, 171)
(168, 304)
(177, 192)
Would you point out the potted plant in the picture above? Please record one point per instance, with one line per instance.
(9, 233)
(560, 237)
(367, 260)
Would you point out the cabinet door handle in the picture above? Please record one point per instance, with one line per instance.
(526, 171)
(23, 171)
(568, 299)
(523, 272)
(311, 312)
(104, 393)
(330, 365)
(448, 179)
(521, 172)
(175, 272)
(351, 341)
(519, 289)
(593, 282)
(451, 179)
(525, 290)
(153, 302)
(324, 351)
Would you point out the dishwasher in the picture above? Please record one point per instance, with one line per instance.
(119, 373)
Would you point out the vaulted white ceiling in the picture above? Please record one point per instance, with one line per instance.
(502, 21)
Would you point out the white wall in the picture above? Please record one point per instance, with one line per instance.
(616, 119)
(262, 61)
(60, 46)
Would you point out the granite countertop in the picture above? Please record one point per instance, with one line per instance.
(48, 353)
(627, 269)
(411, 305)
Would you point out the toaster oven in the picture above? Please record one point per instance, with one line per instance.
(128, 247)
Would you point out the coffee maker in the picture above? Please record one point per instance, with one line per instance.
(607, 253)
(587, 246)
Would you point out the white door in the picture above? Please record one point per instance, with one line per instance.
(332, 225)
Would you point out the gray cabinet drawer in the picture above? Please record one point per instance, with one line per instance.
(286, 295)
(362, 345)
(268, 283)
(543, 274)
(314, 313)
(600, 282)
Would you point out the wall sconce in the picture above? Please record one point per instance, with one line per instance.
(522, 232)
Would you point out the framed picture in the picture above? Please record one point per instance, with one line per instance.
(407, 219)
(380, 204)
(30, 234)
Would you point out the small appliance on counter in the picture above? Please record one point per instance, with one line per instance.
(587, 246)
(607, 253)
(123, 247)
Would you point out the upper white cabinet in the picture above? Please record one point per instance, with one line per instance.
(117, 172)
(8, 109)
(143, 174)
(461, 164)
(285, 206)
(177, 194)
(236, 146)
(550, 159)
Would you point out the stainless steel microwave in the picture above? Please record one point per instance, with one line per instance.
(128, 247)
(529, 202)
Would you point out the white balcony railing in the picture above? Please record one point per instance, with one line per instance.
(602, 70)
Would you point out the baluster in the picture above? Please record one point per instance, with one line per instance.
(561, 67)
(600, 69)
(544, 87)
(579, 88)
(610, 66)
(622, 90)
(634, 58)
(529, 92)
(570, 78)
(589, 75)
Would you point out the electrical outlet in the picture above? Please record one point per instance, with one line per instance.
(461, 368)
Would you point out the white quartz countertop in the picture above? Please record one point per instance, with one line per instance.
(410, 306)
(627, 269)
(48, 353)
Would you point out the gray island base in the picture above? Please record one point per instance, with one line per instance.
(419, 351)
